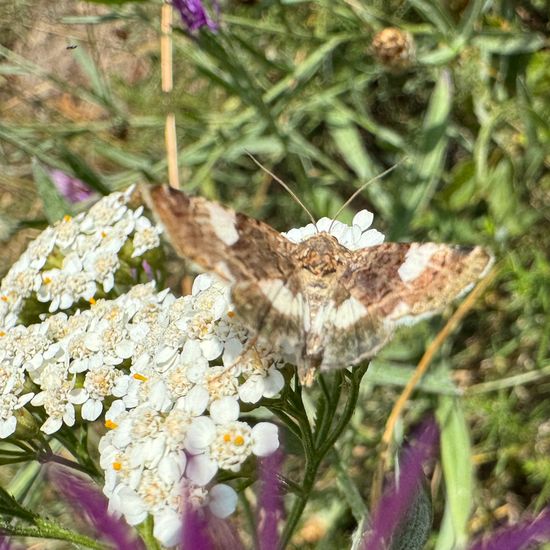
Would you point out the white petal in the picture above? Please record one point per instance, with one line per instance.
(196, 400)
(201, 469)
(78, 396)
(201, 282)
(125, 349)
(265, 437)
(223, 500)
(167, 527)
(231, 352)
(363, 219)
(91, 409)
(200, 434)
(171, 467)
(211, 348)
(117, 407)
(323, 224)
(252, 390)
(51, 425)
(224, 410)
(273, 383)
(7, 427)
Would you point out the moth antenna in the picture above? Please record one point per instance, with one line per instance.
(284, 186)
(362, 188)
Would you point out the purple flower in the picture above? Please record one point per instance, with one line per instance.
(194, 14)
(72, 189)
(194, 533)
(395, 502)
(517, 537)
(270, 501)
(89, 502)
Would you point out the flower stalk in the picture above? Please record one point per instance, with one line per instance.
(319, 441)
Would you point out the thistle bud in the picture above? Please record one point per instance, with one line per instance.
(394, 48)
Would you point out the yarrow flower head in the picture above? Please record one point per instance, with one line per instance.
(169, 376)
(79, 260)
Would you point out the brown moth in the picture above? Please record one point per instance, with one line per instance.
(320, 304)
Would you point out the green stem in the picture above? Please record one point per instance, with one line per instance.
(47, 530)
(315, 452)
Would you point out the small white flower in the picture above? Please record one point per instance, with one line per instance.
(102, 265)
(82, 356)
(126, 501)
(38, 250)
(104, 213)
(353, 237)
(58, 404)
(146, 237)
(257, 386)
(63, 287)
(66, 232)
(99, 384)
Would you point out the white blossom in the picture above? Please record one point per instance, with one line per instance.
(354, 237)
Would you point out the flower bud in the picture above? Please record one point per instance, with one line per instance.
(394, 48)
(27, 426)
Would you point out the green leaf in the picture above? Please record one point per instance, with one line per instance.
(383, 373)
(414, 529)
(508, 43)
(457, 470)
(349, 143)
(435, 12)
(116, 2)
(55, 206)
(83, 171)
(96, 78)
(10, 507)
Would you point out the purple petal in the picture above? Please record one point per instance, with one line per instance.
(87, 501)
(72, 189)
(518, 536)
(194, 14)
(148, 270)
(194, 534)
(270, 501)
(399, 497)
(5, 543)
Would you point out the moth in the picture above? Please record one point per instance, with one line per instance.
(320, 304)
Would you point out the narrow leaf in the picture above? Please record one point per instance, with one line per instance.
(55, 206)
(457, 466)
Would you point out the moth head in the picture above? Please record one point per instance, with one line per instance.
(321, 254)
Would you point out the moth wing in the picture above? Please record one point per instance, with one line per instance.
(277, 311)
(235, 246)
(394, 284)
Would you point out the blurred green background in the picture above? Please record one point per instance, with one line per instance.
(328, 94)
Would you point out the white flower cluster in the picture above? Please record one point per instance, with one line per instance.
(354, 237)
(76, 257)
(168, 374)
